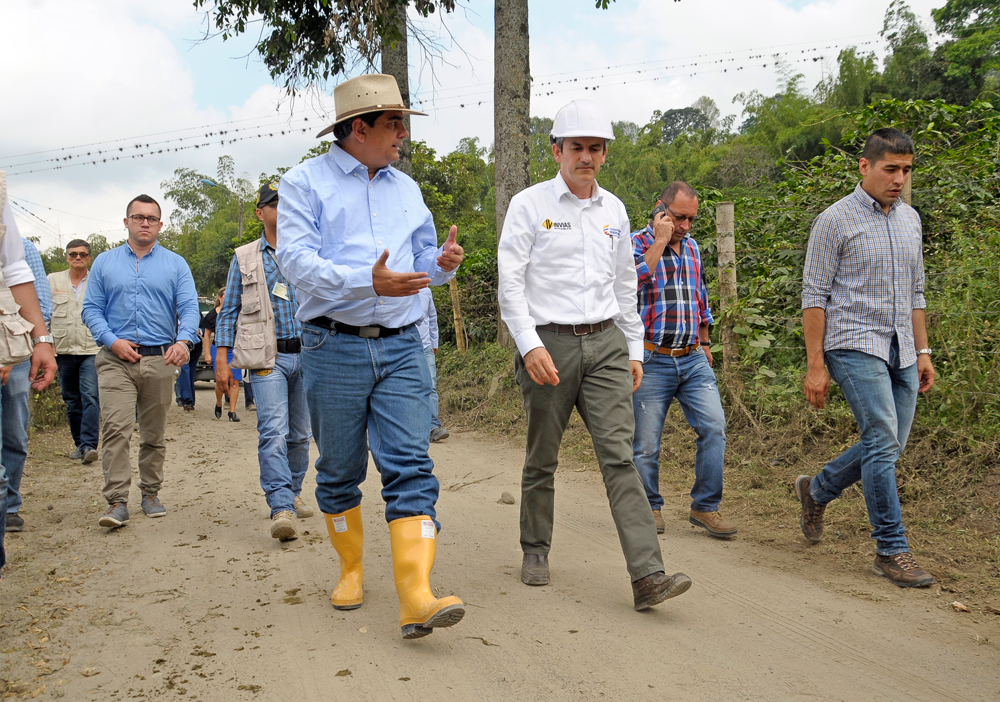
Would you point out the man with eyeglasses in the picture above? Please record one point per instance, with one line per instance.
(677, 358)
(76, 350)
(260, 301)
(136, 294)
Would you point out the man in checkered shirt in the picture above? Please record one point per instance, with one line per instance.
(863, 315)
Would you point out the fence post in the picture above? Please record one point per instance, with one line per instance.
(725, 228)
(457, 311)
(907, 194)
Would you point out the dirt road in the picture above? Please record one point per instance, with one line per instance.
(203, 605)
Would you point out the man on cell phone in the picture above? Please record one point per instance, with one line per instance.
(677, 357)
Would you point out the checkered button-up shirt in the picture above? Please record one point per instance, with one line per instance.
(865, 268)
(673, 299)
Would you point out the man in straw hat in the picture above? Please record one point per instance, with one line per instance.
(358, 243)
(568, 294)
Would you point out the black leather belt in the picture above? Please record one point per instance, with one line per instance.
(373, 332)
(289, 346)
(577, 329)
(149, 350)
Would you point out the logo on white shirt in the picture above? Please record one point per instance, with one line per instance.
(611, 231)
(549, 224)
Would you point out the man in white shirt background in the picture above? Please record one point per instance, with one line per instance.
(568, 294)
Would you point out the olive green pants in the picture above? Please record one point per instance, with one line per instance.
(594, 377)
(130, 391)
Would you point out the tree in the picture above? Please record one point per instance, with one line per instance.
(972, 58)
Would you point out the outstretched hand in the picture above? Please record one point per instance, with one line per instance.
(451, 253)
(389, 283)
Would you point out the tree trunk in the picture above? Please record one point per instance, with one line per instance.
(395, 62)
(511, 110)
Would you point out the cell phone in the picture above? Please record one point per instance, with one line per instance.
(659, 208)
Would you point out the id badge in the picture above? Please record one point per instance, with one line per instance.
(280, 290)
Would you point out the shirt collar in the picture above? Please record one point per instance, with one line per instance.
(348, 164)
(562, 189)
(871, 203)
(264, 246)
(129, 247)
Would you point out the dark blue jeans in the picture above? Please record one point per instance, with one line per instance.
(883, 398)
(15, 422)
(185, 379)
(376, 389)
(78, 383)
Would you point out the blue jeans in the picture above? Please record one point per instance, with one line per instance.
(283, 430)
(883, 399)
(248, 394)
(184, 387)
(432, 367)
(15, 420)
(691, 380)
(378, 386)
(78, 384)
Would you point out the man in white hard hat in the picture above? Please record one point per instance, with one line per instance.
(568, 295)
(358, 243)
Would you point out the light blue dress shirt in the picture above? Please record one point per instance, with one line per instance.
(42, 290)
(141, 300)
(333, 224)
(428, 324)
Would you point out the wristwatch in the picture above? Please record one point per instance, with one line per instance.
(189, 344)
(927, 351)
(47, 339)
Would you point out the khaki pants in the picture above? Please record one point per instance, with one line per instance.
(129, 389)
(594, 377)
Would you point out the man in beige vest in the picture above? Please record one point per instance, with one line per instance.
(257, 321)
(76, 350)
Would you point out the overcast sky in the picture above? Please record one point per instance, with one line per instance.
(104, 75)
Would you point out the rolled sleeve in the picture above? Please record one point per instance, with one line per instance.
(640, 245)
(822, 256)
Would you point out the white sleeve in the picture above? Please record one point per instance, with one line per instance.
(626, 292)
(513, 254)
(15, 268)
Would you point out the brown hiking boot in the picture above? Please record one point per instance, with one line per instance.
(284, 526)
(902, 570)
(658, 519)
(811, 519)
(713, 523)
(657, 587)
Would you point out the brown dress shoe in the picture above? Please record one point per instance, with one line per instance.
(713, 523)
(535, 569)
(658, 519)
(811, 519)
(653, 589)
(902, 570)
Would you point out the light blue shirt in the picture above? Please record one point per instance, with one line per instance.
(141, 300)
(333, 224)
(42, 290)
(428, 324)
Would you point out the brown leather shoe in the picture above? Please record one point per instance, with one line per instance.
(655, 588)
(658, 519)
(811, 519)
(535, 569)
(902, 570)
(713, 523)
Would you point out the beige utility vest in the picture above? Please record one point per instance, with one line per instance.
(256, 345)
(15, 330)
(71, 335)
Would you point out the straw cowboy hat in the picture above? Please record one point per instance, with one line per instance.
(368, 93)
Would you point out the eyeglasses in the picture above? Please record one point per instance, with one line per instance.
(78, 254)
(138, 219)
(681, 218)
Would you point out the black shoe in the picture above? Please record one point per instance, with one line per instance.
(218, 411)
(14, 523)
(535, 569)
(233, 417)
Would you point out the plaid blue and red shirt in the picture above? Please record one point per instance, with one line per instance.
(673, 298)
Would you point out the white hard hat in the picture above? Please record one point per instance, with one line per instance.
(582, 118)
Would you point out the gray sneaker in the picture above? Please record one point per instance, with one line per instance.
(116, 516)
(78, 454)
(89, 455)
(439, 433)
(152, 507)
(14, 522)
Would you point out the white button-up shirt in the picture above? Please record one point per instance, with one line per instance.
(567, 261)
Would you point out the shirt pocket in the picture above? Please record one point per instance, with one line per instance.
(60, 304)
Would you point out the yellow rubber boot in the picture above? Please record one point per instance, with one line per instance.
(413, 549)
(347, 535)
